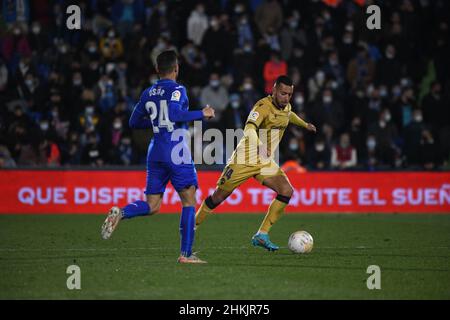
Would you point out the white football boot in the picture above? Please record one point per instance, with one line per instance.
(111, 222)
(191, 259)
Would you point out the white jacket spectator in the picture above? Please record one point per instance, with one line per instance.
(197, 25)
(216, 95)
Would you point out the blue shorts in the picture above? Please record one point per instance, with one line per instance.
(159, 173)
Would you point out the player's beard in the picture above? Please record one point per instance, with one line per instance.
(279, 104)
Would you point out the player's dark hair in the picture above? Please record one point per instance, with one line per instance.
(166, 61)
(284, 80)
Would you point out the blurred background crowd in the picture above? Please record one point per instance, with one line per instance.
(379, 98)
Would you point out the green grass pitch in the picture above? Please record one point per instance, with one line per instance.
(139, 261)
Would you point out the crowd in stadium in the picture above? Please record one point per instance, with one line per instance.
(379, 98)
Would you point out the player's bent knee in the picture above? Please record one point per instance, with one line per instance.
(187, 196)
(216, 198)
(154, 208)
(286, 191)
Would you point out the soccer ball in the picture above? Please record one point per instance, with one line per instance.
(300, 242)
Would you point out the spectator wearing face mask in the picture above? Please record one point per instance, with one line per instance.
(244, 62)
(89, 118)
(234, 115)
(291, 36)
(106, 93)
(91, 51)
(215, 46)
(116, 132)
(436, 114)
(435, 109)
(343, 155)
(370, 159)
(316, 85)
(295, 147)
(375, 157)
(357, 135)
(327, 110)
(347, 45)
(297, 80)
(244, 32)
(124, 151)
(361, 69)
(334, 69)
(319, 156)
(429, 152)
(385, 131)
(74, 92)
(195, 64)
(91, 74)
(48, 130)
(71, 150)
(215, 94)
(403, 108)
(29, 87)
(92, 154)
(412, 136)
(374, 105)
(303, 61)
(38, 39)
(389, 68)
(249, 94)
(111, 46)
(298, 102)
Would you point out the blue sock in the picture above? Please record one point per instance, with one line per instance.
(135, 209)
(187, 224)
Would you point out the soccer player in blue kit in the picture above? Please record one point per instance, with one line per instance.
(164, 107)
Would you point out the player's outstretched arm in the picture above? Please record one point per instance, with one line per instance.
(176, 114)
(295, 119)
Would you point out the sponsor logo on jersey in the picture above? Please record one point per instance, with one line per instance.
(176, 95)
(253, 116)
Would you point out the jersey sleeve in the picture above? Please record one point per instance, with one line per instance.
(258, 114)
(296, 120)
(139, 117)
(178, 95)
(178, 107)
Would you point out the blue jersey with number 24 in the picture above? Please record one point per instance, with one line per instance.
(165, 108)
